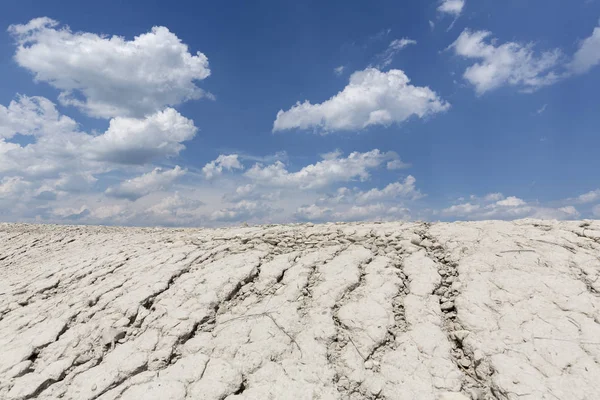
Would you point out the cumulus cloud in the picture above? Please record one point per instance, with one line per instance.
(75, 182)
(33, 116)
(133, 189)
(110, 76)
(216, 167)
(347, 204)
(57, 139)
(385, 58)
(60, 147)
(587, 55)
(510, 63)
(243, 210)
(397, 164)
(139, 141)
(511, 201)
(496, 206)
(313, 212)
(13, 186)
(63, 162)
(371, 98)
(452, 7)
(493, 197)
(394, 190)
(589, 197)
(332, 169)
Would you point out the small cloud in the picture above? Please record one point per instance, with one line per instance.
(588, 54)
(589, 197)
(431, 25)
(507, 64)
(216, 167)
(452, 7)
(397, 164)
(542, 109)
(372, 97)
(393, 48)
(339, 70)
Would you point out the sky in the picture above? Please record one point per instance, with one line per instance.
(155, 113)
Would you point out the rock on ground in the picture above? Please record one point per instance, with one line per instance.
(478, 310)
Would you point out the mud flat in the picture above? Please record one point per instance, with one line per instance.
(458, 311)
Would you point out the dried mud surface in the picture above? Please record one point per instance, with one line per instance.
(458, 311)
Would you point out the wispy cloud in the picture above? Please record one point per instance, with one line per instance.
(542, 109)
(386, 58)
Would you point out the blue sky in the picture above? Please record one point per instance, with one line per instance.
(152, 113)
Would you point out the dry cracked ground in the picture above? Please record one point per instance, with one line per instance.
(478, 310)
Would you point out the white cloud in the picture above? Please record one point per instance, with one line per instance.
(175, 207)
(511, 201)
(332, 169)
(75, 182)
(243, 210)
(493, 197)
(397, 164)
(133, 189)
(542, 109)
(13, 186)
(588, 54)
(34, 116)
(596, 210)
(371, 98)
(461, 210)
(394, 47)
(110, 76)
(393, 190)
(339, 70)
(589, 197)
(352, 204)
(313, 212)
(59, 146)
(215, 167)
(57, 140)
(452, 7)
(372, 212)
(496, 206)
(139, 141)
(511, 63)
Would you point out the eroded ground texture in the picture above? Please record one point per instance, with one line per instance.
(485, 310)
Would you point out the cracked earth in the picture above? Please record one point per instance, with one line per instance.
(477, 310)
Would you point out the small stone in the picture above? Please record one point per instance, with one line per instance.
(456, 286)
(460, 334)
(427, 243)
(449, 305)
(441, 291)
(375, 387)
(416, 240)
(442, 272)
(368, 364)
(465, 362)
